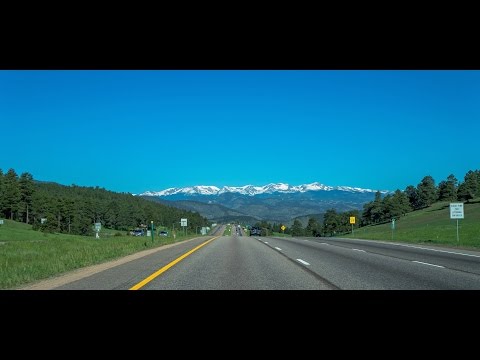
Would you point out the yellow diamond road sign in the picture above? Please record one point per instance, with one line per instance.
(283, 228)
(352, 219)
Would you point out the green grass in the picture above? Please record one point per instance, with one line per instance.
(430, 226)
(27, 255)
(227, 231)
(281, 234)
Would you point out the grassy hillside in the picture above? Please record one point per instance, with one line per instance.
(27, 255)
(432, 225)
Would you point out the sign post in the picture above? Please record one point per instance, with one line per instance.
(456, 212)
(393, 226)
(98, 226)
(1, 221)
(283, 230)
(183, 223)
(152, 229)
(352, 221)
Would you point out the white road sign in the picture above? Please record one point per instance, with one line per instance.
(183, 222)
(456, 210)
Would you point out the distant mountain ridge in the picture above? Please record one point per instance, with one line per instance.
(273, 202)
(252, 190)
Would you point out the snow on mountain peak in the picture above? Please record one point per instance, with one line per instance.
(252, 190)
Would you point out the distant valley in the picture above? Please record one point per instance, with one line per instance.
(273, 202)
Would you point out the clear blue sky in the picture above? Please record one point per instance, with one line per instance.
(133, 131)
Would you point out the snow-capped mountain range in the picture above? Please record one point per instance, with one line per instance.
(252, 190)
(272, 202)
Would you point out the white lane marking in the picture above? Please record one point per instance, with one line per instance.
(325, 243)
(278, 248)
(266, 242)
(359, 250)
(303, 262)
(305, 240)
(424, 263)
(419, 247)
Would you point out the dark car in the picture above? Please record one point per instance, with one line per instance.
(163, 233)
(137, 232)
(256, 231)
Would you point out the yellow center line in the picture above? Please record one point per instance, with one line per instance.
(168, 266)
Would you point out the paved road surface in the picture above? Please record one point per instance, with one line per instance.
(363, 264)
(254, 263)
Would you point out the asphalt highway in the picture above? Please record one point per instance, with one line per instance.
(240, 262)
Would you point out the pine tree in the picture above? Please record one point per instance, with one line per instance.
(367, 214)
(312, 228)
(39, 207)
(74, 209)
(297, 229)
(413, 197)
(11, 194)
(472, 183)
(477, 173)
(27, 188)
(469, 188)
(447, 189)
(403, 201)
(373, 212)
(330, 222)
(2, 191)
(427, 192)
(69, 214)
(394, 206)
(377, 210)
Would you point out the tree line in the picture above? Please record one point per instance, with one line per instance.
(74, 209)
(313, 227)
(425, 194)
(391, 206)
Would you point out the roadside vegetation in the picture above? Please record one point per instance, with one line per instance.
(228, 230)
(421, 214)
(27, 255)
(279, 234)
(49, 229)
(55, 208)
(431, 225)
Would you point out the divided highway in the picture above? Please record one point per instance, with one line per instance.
(263, 263)
(365, 265)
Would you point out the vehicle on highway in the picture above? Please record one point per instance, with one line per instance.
(255, 231)
(163, 233)
(137, 232)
